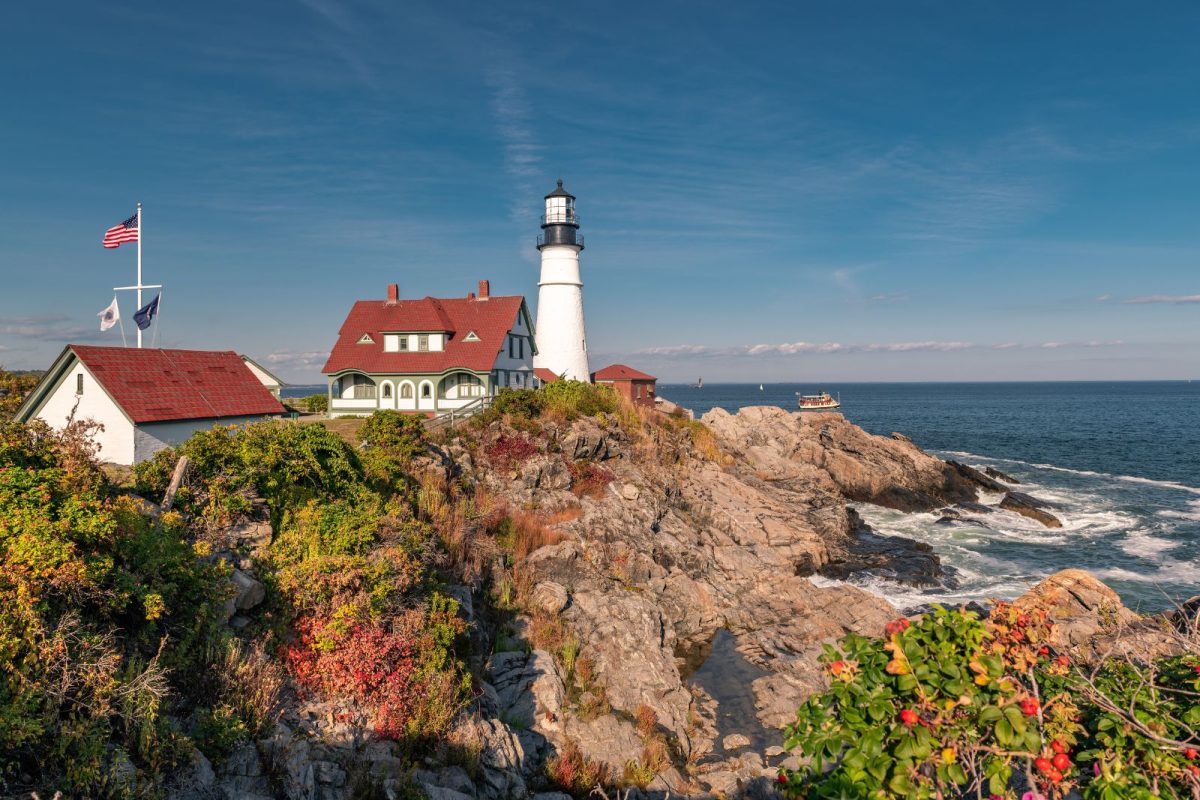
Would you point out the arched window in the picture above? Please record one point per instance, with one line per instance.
(406, 391)
(387, 391)
(426, 391)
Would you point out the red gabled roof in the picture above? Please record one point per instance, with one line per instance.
(491, 319)
(152, 385)
(546, 375)
(620, 372)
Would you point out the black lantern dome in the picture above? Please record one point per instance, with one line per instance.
(560, 224)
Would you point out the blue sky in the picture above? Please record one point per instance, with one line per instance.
(792, 191)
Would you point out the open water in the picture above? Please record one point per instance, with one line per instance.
(1120, 461)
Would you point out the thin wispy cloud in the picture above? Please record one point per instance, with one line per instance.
(1177, 300)
(47, 329)
(826, 348)
(515, 127)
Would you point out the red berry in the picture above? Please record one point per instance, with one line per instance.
(1043, 651)
(1054, 775)
(909, 717)
(1190, 754)
(1043, 765)
(1058, 746)
(1060, 761)
(1022, 619)
(782, 778)
(1029, 707)
(1063, 661)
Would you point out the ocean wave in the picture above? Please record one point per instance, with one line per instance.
(1087, 473)
(1191, 516)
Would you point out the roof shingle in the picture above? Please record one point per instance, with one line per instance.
(620, 372)
(491, 319)
(153, 385)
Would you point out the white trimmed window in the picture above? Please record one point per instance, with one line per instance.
(423, 344)
(79, 383)
(471, 336)
(366, 339)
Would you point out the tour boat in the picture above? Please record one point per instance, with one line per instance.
(817, 402)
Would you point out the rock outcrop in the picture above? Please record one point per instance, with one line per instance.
(668, 556)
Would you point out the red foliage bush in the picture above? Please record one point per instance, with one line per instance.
(508, 451)
(393, 671)
(588, 479)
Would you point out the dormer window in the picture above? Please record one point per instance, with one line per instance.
(423, 343)
(471, 337)
(366, 339)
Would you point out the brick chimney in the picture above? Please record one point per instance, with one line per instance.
(393, 294)
(484, 289)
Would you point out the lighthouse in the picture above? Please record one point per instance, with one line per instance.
(561, 340)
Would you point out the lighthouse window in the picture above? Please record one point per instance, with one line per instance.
(79, 383)
(423, 343)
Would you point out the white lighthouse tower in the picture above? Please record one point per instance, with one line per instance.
(561, 340)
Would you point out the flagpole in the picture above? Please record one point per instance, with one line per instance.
(139, 269)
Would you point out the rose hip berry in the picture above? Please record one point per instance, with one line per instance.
(1060, 761)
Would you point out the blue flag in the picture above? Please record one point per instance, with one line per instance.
(146, 314)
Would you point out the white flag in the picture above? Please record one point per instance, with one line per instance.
(109, 316)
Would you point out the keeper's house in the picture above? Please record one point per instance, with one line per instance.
(147, 399)
(430, 355)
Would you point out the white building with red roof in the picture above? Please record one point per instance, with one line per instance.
(148, 399)
(430, 355)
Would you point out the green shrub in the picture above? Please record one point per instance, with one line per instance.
(106, 620)
(519, 403)
(952, 706)
(574, 399)
(391, 440)
(315, 403)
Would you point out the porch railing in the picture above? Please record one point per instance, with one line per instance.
(455, 416)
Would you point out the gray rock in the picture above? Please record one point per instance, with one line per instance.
(549, 596)
(249, 592)
(442, 793)
(735, 741)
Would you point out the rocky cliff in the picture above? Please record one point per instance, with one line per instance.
(679, 578)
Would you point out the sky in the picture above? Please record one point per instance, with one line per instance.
(792, 191)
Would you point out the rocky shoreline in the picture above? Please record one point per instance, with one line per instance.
(686, 582)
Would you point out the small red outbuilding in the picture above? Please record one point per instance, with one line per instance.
(637, 386)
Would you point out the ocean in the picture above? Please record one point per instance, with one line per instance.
(1120, 460)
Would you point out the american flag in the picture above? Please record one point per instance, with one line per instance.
(127, 231)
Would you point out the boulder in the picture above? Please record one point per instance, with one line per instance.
(1028, 506)
(735, 741)
(249, 592)
(992, 472)
(1079, 605)
(549, 596)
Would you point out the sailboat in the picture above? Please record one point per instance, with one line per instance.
(699, 383)
(760, 387)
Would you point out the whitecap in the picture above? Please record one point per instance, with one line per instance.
(1141, 544)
